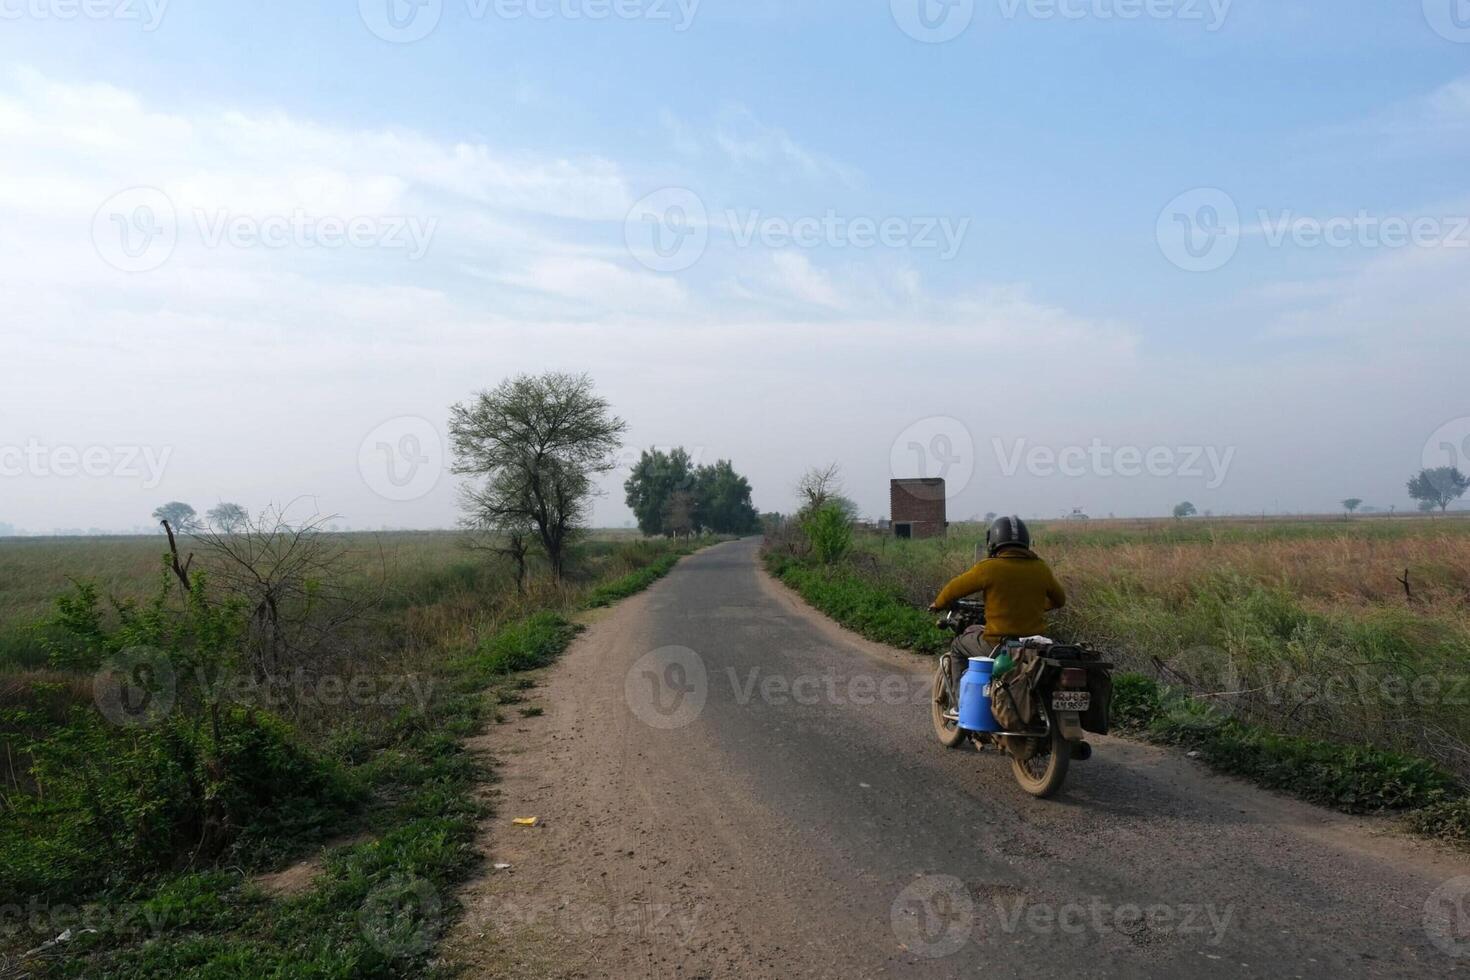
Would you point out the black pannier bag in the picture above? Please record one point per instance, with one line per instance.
(1098, 717)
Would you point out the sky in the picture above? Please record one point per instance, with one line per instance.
(1104, 255)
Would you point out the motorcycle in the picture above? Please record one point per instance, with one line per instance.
(1065, 681)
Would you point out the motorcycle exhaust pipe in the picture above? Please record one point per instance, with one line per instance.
(1081, 751)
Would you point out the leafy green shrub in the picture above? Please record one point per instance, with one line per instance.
(530, 643)
(830, 533)
(121, 804)
(1137, 702)
(1445, 821)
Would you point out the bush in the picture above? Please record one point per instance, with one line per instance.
(830, 533)
(120, 804)
(1444, 821)
(1137, 702)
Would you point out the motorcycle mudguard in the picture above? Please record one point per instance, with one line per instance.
(1070, 724)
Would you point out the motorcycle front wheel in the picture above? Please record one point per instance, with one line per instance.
(1044, 772)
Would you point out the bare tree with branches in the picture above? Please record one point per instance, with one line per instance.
(818, 485)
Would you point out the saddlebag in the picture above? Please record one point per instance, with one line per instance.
(1013, 698)
(1097, 719)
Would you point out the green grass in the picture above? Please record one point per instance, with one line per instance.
(876, 612)
(1351, 778)
(399, 776)
(526, 645)
(630, 584)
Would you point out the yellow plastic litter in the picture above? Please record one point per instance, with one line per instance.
(526, 821)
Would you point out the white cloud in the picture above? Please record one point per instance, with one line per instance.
(750, 144)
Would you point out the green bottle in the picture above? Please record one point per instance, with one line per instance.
(1003, 664)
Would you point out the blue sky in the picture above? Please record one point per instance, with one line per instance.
(1054, 144)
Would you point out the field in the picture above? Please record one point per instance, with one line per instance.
(158, 821)
(1302, 627)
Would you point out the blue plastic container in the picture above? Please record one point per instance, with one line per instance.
(975, 714)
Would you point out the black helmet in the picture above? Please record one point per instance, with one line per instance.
(1007, 532)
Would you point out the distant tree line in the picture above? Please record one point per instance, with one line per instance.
(670, 495)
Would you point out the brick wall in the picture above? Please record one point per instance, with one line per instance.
(921, 504)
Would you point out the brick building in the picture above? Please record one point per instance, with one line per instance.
(918, 508)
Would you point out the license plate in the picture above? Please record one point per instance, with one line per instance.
(1071, 700)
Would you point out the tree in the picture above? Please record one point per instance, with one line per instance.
(653, 482)
(679, 518)
(1351, 504)
(227, 518)
(1186, 509)
(180, 516)
(722, 500)
(817, 485)
(1438, 487)
(538, 441)
(990, 516)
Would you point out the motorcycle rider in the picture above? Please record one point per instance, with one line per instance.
(1019, 589)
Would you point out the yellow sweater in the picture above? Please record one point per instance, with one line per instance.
(1019, 589)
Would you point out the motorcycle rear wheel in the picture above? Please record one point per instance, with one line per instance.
(1043, 774)
(949, 733)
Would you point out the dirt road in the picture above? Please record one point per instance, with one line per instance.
(730, 786)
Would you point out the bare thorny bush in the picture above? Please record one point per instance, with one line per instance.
(295, 583)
